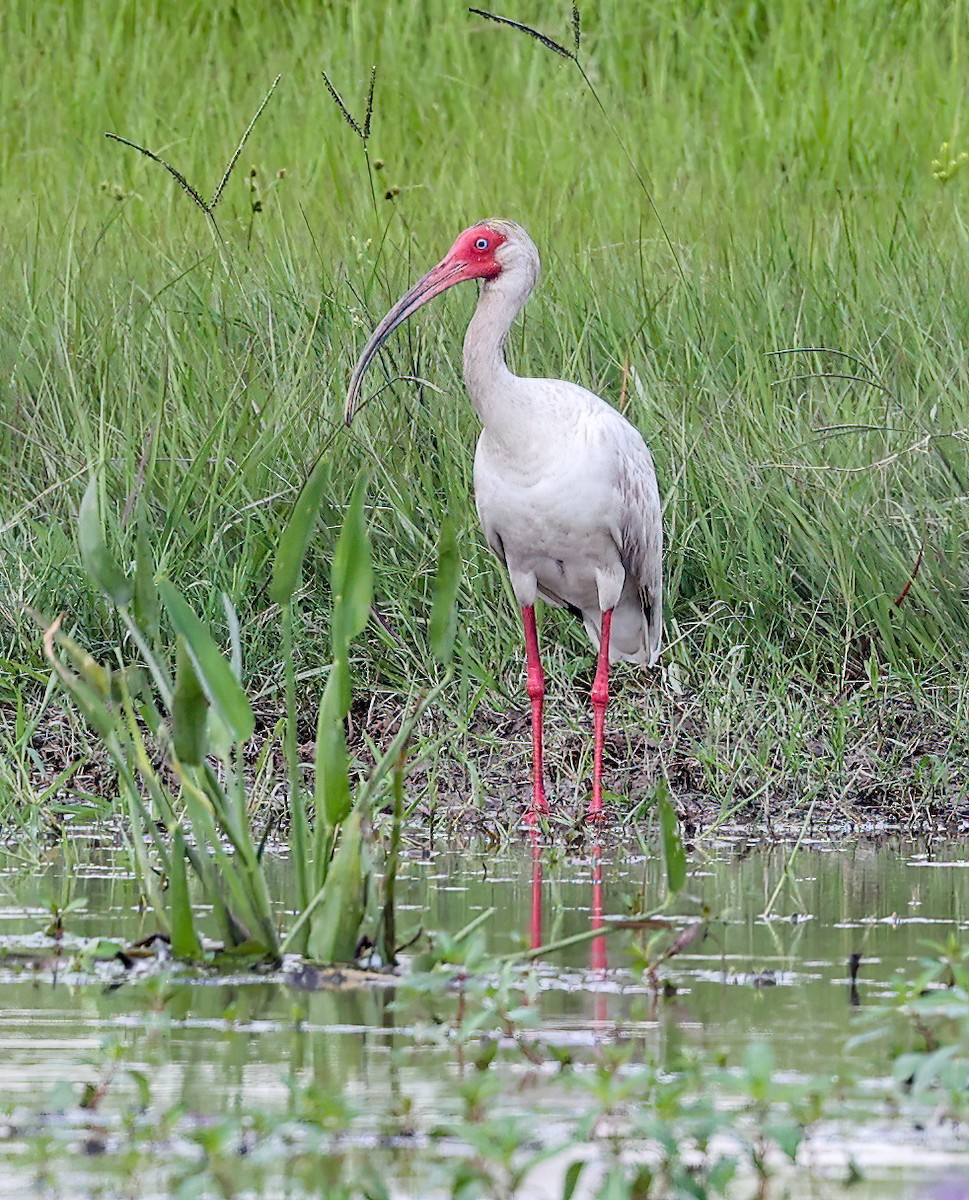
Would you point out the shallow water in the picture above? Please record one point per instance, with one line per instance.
(184, 1051)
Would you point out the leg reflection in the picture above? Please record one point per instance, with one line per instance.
(597, 954)
(535, 923)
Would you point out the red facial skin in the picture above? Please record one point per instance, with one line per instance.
(480, 260)
(471, 257)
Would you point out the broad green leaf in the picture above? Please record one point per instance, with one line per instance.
(97, 714)
(759, 1069)
(673, 853)
(145, 597)
(185, 942)
(190, 707)
(787, 1135)
(444, 618)
(335, 929)
(288, 564)
(331, 788)
(572, 1178)
(97, 677)
(235, 635)
(352, 576)
(218, 738)
(94, 551)
(90, 689)
(223, 690)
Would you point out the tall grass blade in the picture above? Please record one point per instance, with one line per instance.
(144, 603)
(341, 905)
(391, 865)
(351, 582)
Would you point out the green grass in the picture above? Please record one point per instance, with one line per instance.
(789, 152)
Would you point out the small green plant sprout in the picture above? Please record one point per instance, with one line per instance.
(59, 913)
(948, 164)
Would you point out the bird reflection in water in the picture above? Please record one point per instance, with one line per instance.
(598, 962)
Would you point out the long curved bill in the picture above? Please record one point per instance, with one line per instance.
(446, 274)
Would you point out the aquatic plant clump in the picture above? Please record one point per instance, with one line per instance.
(176, 720)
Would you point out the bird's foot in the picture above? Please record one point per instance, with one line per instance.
(539, 809)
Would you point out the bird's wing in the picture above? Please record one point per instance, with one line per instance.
(640, 534)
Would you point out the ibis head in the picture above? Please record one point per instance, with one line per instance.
(486, 251)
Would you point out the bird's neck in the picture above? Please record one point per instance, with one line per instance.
(486, 374)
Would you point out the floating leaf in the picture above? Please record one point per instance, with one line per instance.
(223, 690)
(94, 550)
(288, 564)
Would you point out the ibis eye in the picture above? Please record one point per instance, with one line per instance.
(481, 243)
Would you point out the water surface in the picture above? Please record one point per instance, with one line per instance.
(175, 1054)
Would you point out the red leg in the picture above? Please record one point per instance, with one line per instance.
(600, 698)
(536, 692)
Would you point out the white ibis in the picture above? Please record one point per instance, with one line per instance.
(565, 486)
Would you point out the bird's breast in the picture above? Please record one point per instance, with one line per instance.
(550, 517)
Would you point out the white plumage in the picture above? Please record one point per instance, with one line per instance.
(565, 486)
